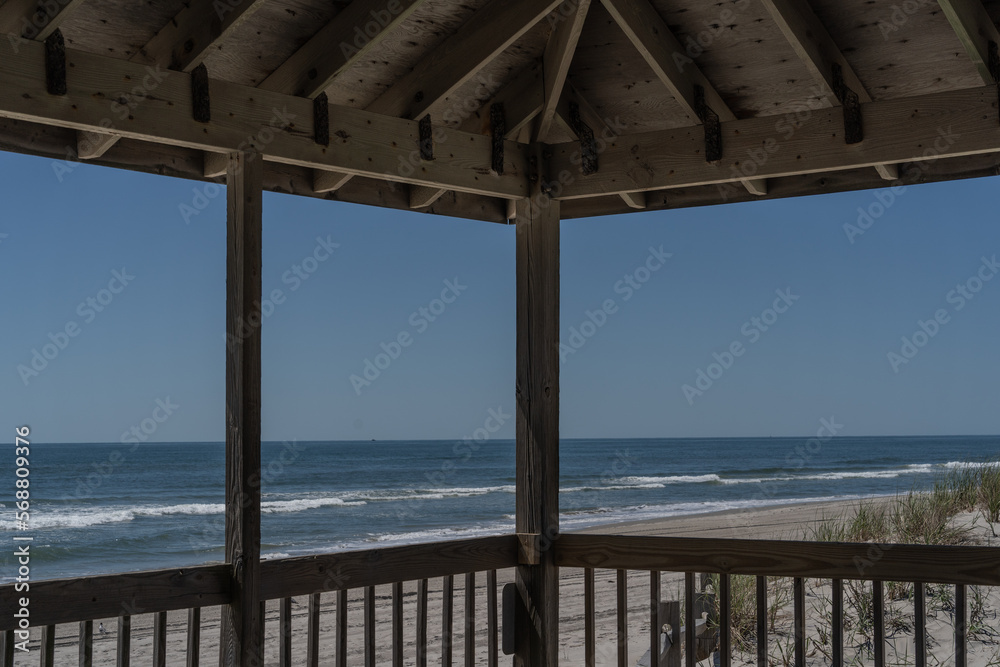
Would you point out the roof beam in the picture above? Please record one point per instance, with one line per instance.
(975, 29)
(816, 49)
(31, 19)
(556, 60)
(489, 32)
(910, 129)
(363, 143)
(181, 45)
(184, 43)
(650, 35)
(310, 70)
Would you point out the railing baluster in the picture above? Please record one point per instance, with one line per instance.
(725, 620)
(422, 623)
(285, 632)
(655, 623)
(7, 650)
(762, 621)
(312, 631)
(470, 619)
(493, 648)
(124, 641)
(369, 626)
(589, 633)
(342, 628)
(878, 604)
(623, 618)
(837, 631)
(47, 654)
(447, 625)
(160, 639)
(799, 613)
(86, 643)
(960, 623)
(193, 637)
(397, 624)
(690, 650)
(919, 626)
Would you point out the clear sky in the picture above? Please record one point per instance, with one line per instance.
(108, 256)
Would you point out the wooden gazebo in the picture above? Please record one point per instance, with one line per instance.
(507, 111)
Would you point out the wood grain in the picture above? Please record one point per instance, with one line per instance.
(242, 636)
(826, 560)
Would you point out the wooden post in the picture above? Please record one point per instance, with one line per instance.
(537, 504)
(242, 641)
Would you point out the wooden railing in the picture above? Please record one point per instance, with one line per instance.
(84, 600)
(418, 567)
(837, 562)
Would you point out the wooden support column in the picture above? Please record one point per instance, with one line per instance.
(242, 640)
(537, 503)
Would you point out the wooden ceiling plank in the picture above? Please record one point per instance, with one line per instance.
(184, 43)
(341, 43)
(975, 29)
(658, 46)
(814, 46)
(31, 19)
(489, 32)
(364, 143)
(917, 130)
(557, 58)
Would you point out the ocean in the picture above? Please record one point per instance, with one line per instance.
(103, 508)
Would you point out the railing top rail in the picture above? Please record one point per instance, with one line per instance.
(304, 575)
(823, 560)
(85, 598)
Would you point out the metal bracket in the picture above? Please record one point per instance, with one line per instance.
(426, 138)
(994, 65)
(713, 128)
(55, 64)
(853, 129)
(588, 145)
(498, 130)
(200, 102)
(321, 120)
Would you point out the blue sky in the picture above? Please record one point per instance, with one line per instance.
(155, 345)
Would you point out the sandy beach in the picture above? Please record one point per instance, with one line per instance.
(781, 522)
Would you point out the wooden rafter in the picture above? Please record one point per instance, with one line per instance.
(482, 38)
(337, 46)
(181, 45)
(816, 49)
(31, 19)
(975, 29)
(185, 41)
(522, 98)
(557, 58)
(659, 48)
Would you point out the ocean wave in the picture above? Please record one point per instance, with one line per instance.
(971, 464)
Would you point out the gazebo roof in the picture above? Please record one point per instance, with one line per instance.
(688, 102)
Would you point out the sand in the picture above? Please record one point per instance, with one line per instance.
(783, 522)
